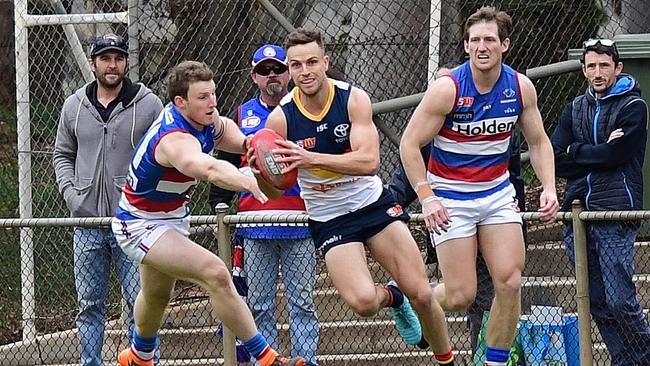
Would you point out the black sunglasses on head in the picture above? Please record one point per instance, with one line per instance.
(265, 70)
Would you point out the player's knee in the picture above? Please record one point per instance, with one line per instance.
(421, 298)
(459, 300)
(216, 276)
(508, 286)
(365, 304)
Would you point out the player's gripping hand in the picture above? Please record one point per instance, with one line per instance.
(435, 214)
(292, 154)
(548, 206)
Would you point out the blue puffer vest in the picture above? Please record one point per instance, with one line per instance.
(603, 189)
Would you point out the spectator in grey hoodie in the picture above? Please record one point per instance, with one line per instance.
(100, 125)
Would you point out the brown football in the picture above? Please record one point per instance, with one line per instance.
(263, 143)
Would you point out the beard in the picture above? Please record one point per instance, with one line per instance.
(109, 84)
(275, 89)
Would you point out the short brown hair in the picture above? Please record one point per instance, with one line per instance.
(182, 75)
(303, 36)
(490, 14)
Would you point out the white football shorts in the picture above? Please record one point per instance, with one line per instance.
(137, 237)
(466, 215)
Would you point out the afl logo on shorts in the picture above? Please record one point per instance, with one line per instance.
(341, 130)
(250, 122)
(395, 211)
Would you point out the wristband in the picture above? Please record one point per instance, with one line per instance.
(429, 199)
(420, 184)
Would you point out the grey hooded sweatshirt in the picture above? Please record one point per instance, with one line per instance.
(91, 158)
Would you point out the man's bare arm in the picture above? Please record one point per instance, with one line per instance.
(541, 151)
(426, 122)
(229, 137)
(183, 152)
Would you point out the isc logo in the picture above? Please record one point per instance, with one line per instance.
(321, 128)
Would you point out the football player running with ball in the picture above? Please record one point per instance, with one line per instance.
(334, 144)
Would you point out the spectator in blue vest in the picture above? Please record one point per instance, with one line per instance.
(599, 147)
(267, 247)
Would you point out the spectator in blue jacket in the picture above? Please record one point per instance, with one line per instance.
(267, 247)
(599, 147)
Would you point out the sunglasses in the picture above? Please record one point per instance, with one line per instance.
(266, 70)
(595, 41)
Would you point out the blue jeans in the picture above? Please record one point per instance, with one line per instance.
(298, 260)
(94, 250)
(614, 307)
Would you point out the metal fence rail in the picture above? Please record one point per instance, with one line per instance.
(189, 332)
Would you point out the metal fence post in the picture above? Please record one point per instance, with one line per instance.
(225, 253)
(134, 41)
(23, 125)
(582, 284)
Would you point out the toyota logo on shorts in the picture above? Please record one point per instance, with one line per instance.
(341, 130)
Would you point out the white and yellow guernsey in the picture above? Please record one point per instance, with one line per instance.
(328, 194)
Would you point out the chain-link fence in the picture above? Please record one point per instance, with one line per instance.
(190, 333)
(390, 49)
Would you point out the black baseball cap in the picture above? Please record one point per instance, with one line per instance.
(108, 42)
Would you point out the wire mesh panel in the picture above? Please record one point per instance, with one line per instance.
(191, 334)
(389, 49)
(59, 315)
(617, 254)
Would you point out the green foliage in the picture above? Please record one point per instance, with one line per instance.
(10, 313)
(8, 165)
(199, 204)
(9, 184)
(44, 120)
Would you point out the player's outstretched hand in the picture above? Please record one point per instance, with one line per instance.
(254, 189)
(548, 206)
(292, 154)
(436, 216)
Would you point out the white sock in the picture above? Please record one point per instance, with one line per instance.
(145, 356)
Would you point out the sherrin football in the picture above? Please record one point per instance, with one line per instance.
(263, 143)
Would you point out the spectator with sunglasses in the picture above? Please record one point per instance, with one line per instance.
(100, 125)
(599, 147)
(265, 247)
